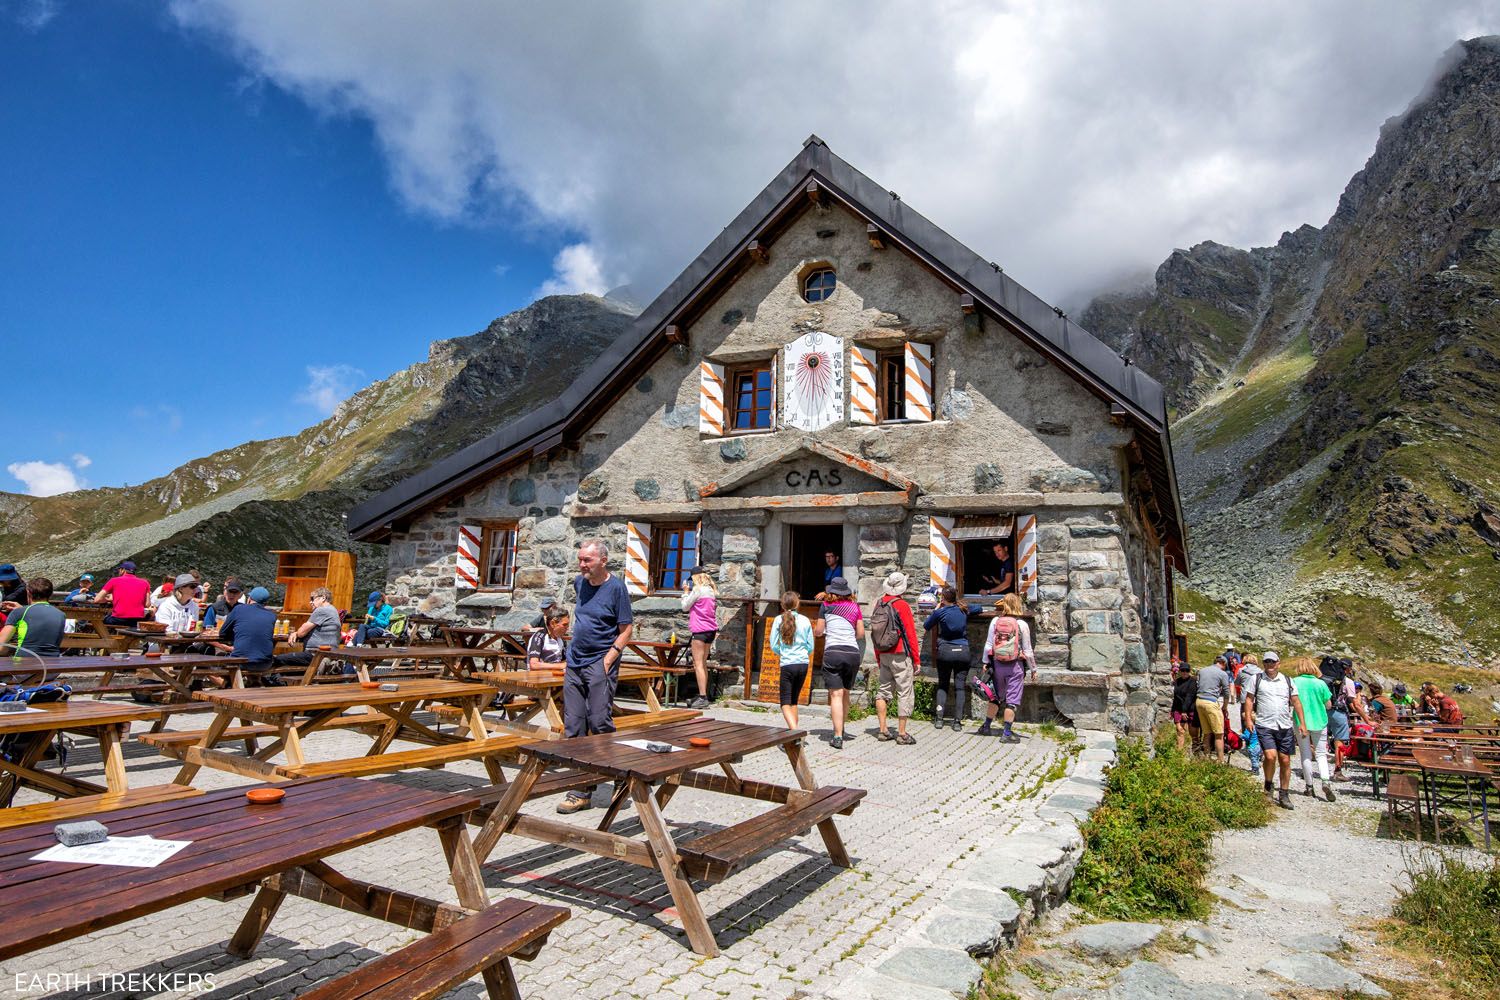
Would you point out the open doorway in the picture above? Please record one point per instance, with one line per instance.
(804, 562)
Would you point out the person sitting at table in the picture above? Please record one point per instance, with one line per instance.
(249, 630)
(12, 589)
(548, 603)
(320, 629)
(127, 595)
(36, 626)
(84, 591)
(1382, 708)
(161, 593)
(377, 619)
(549, 645)
(1445, 708)
(178, 611)
(219, 609)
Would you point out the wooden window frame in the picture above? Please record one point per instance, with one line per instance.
(489, 531)
(732, 397)
(658, 554)
(824, 294)
(882, 391)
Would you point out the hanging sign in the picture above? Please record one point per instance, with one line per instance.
(813, 377)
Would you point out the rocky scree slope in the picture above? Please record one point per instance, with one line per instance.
(223, 512)
(1337, 397)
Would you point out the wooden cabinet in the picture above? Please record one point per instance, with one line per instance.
(302, 571)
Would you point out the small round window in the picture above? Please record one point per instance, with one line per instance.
(819, 284)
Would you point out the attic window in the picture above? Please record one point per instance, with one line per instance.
(819, 284)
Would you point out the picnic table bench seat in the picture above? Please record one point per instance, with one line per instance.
(715, 856)
(483, 942)
(403, 760)
(88, 805)
(174, 743)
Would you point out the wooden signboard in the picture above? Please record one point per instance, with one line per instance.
(768, 685)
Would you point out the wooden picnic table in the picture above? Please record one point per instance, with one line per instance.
(108, 722)
(650, 779)
(237, 848)
(176, 670)
(510, 642)
(544, 689)
(1437, 763)
(93, 633)
(388, 713)
(450, 658)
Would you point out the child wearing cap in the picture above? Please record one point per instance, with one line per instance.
(84, 591)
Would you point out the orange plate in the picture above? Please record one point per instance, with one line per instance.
(265, 796)
(325, 648)
(700, 742)
(370, 685)
(153, 656)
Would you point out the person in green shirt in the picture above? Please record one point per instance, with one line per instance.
(1312, 743)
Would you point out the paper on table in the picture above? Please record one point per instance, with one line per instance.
(22, 711)
(643, 745)
(127, 852)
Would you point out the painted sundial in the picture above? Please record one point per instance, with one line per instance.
(813, 377)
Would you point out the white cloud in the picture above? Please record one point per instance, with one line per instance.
(45, 479)
(32, 15)
(500, 270)
(1072, 142)
(329, 385)
(81, 461)
(576, 268)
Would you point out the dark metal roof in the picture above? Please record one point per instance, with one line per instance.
(995, 295)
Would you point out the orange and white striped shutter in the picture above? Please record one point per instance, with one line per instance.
(638, 558)
(862, 375)
(1026, 555)
(466, 570)
(710, 399)
(941, 564)
(918, 382)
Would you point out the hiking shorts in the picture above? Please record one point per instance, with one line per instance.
(1210, 717)
(840, 668)
(1338, 725)
(793, 676)
(1010, 681)
(896, 676)
(1283, 741)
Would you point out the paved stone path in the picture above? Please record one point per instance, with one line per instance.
(791, 923)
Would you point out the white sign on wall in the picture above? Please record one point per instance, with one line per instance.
(1188, 616)
(813, 381)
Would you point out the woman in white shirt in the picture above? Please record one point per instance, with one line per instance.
(792, 641)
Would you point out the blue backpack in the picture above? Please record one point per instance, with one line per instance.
(15, 747)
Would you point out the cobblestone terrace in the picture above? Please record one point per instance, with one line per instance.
(789, 923)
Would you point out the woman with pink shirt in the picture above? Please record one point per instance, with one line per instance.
(700, 600)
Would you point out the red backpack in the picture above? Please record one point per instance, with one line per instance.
(1007, 644)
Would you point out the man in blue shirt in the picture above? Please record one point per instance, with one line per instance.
(602, 623)
(249, 631)
(377, 619)
(833, 567)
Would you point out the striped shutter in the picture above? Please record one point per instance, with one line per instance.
(941, 564)
(919, 382)
(710, 399)
(862, 375)
(1026, 555)
(466, 570)
(638, 558)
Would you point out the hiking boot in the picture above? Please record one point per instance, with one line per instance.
(699, 702)
(937, 722)
(1308, 791)
(1269, 788)
(956, 726)
(575, 803)
(1284, 799)
(906, 740)
(1328, 792)
(983, 730)
(884, 735)
(837, 743)
(1339, 776)
(1010, 738)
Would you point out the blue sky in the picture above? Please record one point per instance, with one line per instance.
(217, 217)
(182, 242)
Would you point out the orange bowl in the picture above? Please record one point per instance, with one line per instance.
(701, 742)
(155, 655)
(265, 796)
(370, 685)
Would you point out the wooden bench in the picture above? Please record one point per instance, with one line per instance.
(88, 805)
(404, 760)
(636, 720)
(484, 942)
(1403, 797)
(175, 743)
(715, 856)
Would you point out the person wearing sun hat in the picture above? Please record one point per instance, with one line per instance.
(897, 662)
(377, 619)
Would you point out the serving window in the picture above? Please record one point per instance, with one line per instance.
(985, 555)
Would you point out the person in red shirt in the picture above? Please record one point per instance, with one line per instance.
(1448, 712)
(128, 594)
(898, 663)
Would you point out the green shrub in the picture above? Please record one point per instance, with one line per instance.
(1147, 846)
(1453, 908)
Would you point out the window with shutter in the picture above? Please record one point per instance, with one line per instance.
(918, 379)
(674, 553)
(863, 392)
(711, 399)
(466, 569)
(498, 556)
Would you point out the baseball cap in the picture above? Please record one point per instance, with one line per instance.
(128, 566)
(375, 595)
(184, 580)
(1269, 656)
(232, 584)
(260, 595)
(87, 576)
(547, 602)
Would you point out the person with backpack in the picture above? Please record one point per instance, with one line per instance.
(36, 627)
(952, 656)
(894, 633)
(700, 599)
(842, 626)
(1211, 703)
(1244, 689)
(1274, 711)
(1007, 654)
(1338, 674)
(1184, 704)
(792, 641)
(1312, 743)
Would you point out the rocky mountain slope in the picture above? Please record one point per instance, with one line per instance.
(222, 513)
(1336, 397)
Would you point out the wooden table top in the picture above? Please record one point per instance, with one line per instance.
(547, 680)
(233, 842)
(70, 714)
(94, 664)
(604, 754)
(1442, 762)
(377, 654)
(298, 698)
